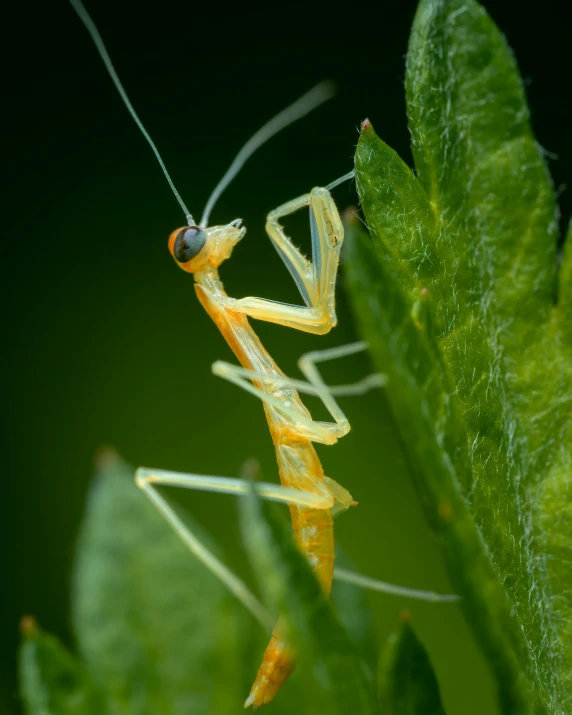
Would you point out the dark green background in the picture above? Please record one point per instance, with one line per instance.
(106, 342)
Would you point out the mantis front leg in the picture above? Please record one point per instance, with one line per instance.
(315, 279)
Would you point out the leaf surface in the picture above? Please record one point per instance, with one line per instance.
(52, 681)
(406, 681)
(152, 623)
(456, 294)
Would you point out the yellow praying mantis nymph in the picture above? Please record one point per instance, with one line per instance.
(312, 497)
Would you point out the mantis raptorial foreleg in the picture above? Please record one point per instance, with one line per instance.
(315, 279)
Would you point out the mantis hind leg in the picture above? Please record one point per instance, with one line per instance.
(149, 479)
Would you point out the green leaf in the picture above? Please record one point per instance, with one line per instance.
(402, 347)
(316, 633)
(407, 683)
(52, 682)
(482, 172)
(456, 295)
(152, 623)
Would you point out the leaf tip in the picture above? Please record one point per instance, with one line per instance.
(28, 626)
(405, 616)
(366, 126)
(105, 457)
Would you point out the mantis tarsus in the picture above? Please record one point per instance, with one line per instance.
(312, 497)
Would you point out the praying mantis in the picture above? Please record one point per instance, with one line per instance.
(313, 498)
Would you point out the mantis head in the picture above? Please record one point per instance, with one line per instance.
(196, 249)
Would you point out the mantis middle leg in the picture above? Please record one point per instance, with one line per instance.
(149, 479)
(326, 433)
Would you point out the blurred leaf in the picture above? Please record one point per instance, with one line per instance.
(290, 587)
(152, 623)
(52, 682)
(407, 683)
(456, 295)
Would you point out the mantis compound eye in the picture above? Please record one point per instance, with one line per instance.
(188, 243)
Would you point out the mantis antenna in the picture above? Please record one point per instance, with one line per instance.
(96, 37)
(307, 102)
(302, 106)
(337, 182)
